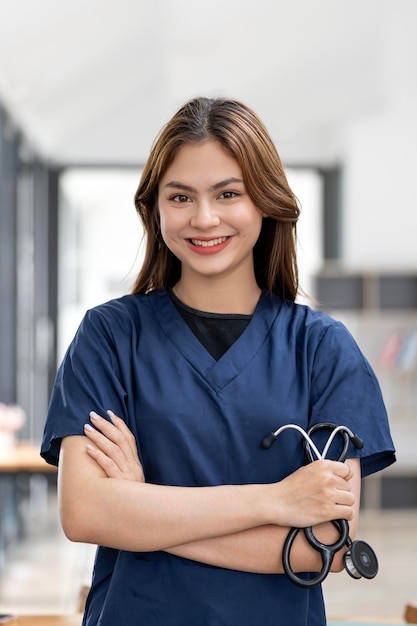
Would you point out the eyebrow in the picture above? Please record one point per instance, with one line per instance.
(223, 183)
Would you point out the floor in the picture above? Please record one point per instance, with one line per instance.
(44, 572)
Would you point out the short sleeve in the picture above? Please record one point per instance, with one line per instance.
(88, 379)
(345, 391)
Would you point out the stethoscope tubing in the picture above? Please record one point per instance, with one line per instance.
(324, 425)
(327, 552)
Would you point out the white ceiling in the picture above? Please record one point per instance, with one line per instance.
(92, 81)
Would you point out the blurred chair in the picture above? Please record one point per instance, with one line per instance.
(82, 598)
(410, 613)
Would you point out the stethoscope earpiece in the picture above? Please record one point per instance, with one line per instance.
(360, 560)
(268, 441)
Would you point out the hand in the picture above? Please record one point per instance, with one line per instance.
(113, 447)
(316, 493)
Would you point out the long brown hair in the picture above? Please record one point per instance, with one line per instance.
(242, 134)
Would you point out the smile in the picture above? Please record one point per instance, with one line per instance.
(210, 243)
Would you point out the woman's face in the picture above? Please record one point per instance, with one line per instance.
(208, 220)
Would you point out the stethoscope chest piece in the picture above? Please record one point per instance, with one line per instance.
(360, 560)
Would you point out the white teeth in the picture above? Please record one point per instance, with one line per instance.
(207, 244)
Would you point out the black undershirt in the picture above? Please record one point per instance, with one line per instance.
(216, 331)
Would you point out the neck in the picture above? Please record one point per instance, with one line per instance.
(219, 296)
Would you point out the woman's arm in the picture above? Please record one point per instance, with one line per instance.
(260, 549)
(254, 550)
(101, 503)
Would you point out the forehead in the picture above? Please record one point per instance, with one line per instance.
(206, 161)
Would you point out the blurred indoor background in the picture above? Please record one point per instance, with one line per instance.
(84, 87)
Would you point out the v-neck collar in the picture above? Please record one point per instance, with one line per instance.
(218, 374)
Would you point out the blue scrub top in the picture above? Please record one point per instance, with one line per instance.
(200, 422)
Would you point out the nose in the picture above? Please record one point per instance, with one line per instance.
(205, 216)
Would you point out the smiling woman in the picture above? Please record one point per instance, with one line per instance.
(212, 229)
(207, 355)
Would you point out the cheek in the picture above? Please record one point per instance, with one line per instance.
(255, 229)
(165, 221)
(172, 221)
(254, 223)
(171, 231)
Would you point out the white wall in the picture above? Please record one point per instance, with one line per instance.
(380, 212)
(100, 243)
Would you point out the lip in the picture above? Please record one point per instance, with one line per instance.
(207, 245)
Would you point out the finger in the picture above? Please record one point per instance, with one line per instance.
(105, 445)
(104, 426)
(123, 428)
(350, 473)
(110, 468)
(115, 433)
(117, 442)
(127, 442)
(345, 512)
(341, 470)
(345, 498)
(111, 458)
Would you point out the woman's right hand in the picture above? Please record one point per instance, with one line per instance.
(316, 493)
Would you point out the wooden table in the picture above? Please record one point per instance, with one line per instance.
(25, 457)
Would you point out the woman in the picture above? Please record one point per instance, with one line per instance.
(208, 355)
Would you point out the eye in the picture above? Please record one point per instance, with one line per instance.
(228, 195)
(180, 198)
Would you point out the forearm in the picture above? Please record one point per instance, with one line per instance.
(144, 517)
(255, 550)
(258, 550)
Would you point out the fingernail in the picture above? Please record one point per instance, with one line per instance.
(90, 447)
(88, 427)
(94, 415)
(111, 414)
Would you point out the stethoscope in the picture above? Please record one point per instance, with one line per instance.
(359, 560)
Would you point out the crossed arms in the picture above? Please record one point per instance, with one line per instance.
(105, 500)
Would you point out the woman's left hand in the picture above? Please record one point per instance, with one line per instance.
(113, 447)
